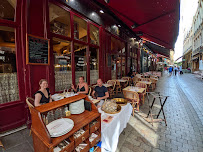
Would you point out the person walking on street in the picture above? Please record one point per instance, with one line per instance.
(176, 70)
(181, 71)
(170, 70)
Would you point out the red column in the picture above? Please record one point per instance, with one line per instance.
(138, 60)
(37, 25)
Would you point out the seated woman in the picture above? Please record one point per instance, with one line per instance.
(43, 95)
(82, 86)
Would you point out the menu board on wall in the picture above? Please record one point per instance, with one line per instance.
(37, 50)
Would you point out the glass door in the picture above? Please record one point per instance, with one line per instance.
(80, 62)
(62, 64)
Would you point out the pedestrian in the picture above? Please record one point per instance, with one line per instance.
(181, 71)
(170, 70)
(176, 70)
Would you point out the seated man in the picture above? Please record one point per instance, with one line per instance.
(101, 91)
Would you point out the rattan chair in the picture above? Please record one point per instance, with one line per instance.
(139, 75)
(118, 87)
(127, 82)
(153, 85)
(1, 145)
(142, 95)
(136, 79)
(30, 102)
(133, 98)
(90, 91)
(111, 89)
(146, 79)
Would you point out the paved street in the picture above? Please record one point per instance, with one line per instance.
(184, 114)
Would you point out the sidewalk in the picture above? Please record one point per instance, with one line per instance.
(184, 115)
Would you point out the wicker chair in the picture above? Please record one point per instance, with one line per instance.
(136, 79)
(153, 85)
(139, 75)
(127, 82)
(1, 145)
(133, 98)
(153, 76)
(118, 87)
(30, 102)
(142, 95)
(90, 91)
(146, 79)
(111, 89)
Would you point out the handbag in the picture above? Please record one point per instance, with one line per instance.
(88, 105)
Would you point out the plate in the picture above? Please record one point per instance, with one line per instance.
(120, 101)
(60, 127)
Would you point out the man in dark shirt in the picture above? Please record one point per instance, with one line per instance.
(102, 92)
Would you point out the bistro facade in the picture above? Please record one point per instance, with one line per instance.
(82, 41)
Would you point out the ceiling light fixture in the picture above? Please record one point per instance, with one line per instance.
(119, 25)
(101, 11)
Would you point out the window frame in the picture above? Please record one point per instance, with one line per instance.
(72, 40)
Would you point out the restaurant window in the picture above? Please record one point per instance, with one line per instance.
(59, 20)
(122, 48)
(8, 73)
(133, 64)
(80, 62)
(119, 67)
(80, 29)
(7, 9)
(94, 65)
(123, 66)
(113, 67)
(62, 64)
(94, 35)
(129, 64)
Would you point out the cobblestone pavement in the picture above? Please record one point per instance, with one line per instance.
(184, 115)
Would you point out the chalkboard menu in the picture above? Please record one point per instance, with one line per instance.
(37, 50)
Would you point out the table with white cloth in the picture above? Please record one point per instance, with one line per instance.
(111, 131)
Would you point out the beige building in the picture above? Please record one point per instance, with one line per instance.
(171, 61)
(187, 49)
(197, 46)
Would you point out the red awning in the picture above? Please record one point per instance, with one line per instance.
(158, 20)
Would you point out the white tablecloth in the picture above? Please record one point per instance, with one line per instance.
(110, 132)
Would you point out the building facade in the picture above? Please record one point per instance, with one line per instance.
(187, 50)
(83, 41)
(197, 46)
